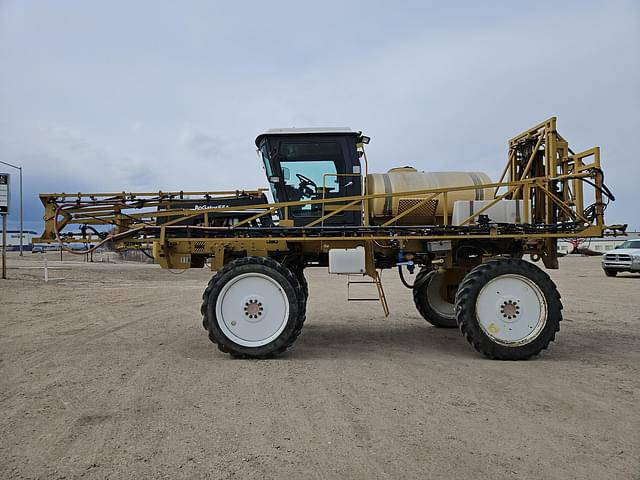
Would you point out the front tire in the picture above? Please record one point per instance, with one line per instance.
(610, 273)
(508, 309)
(253, 307)
(429, 301)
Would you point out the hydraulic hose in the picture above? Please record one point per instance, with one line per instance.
(402, 279)
(70, 250)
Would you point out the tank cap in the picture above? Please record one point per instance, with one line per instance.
(402, 169)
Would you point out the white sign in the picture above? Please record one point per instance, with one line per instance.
(4, 193)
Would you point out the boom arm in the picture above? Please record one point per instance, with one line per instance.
(541, 170)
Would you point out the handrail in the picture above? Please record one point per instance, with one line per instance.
(405, 194)
(556, 196)
(266, 209)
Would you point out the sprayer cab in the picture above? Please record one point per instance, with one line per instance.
(313, 164)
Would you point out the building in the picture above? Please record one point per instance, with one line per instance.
(600, 245)
(13, 239)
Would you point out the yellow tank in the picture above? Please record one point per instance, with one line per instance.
(406, 179)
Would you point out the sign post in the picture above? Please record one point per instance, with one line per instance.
(4, 246)
(21, 215)
(4, 210)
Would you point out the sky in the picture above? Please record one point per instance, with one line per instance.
(152, 95)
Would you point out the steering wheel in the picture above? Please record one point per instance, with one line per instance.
(304, 185)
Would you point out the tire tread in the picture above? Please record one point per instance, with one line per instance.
(465, 304)
(225, 345)
(421, 301)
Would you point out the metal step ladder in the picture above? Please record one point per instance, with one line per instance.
(377, 281)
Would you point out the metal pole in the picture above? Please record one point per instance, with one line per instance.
(21, 218)
(4, 247)
(46, 267)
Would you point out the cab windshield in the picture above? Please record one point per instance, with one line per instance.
(307, 179)
(631, 244)
(309, 169)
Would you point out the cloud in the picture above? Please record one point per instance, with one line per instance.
(203, 145)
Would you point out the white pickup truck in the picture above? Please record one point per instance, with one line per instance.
(625, 258)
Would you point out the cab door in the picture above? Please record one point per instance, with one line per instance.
(315, 168)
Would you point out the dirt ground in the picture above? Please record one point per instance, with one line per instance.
(109, 374)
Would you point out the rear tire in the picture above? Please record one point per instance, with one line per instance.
(254, 308)
(610, 273)
(508, 309)
(298, 271)
(427, 297)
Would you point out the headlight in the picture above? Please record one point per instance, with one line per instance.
(635, 258)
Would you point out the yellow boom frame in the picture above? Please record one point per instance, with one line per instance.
(552, 182)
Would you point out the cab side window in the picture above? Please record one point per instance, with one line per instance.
(309, 171)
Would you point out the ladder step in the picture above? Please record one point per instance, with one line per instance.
(381, 296)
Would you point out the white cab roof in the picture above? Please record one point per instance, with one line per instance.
(305, 131)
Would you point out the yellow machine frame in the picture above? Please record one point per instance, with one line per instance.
(552, 182)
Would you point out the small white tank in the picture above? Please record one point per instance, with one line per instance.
(407, 179)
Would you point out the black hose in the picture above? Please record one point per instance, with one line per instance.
(402, 279)
(604, 189)
(146, 254)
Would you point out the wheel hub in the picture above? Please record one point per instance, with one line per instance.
(511, 309)
(253, 308)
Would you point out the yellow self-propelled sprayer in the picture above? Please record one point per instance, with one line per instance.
(468, 236)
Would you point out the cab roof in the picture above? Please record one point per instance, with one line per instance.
(306, 131)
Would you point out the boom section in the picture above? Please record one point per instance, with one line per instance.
(559, 194)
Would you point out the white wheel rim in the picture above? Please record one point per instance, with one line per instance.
(511, 309)
(434, 297)
(252, 309)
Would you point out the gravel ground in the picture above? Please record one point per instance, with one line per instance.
(108, 374)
